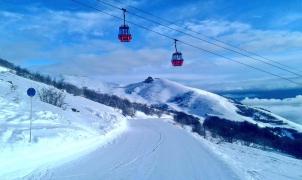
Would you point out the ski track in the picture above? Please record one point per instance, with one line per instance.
(150, 149)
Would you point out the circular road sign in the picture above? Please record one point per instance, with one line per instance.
(31, 92)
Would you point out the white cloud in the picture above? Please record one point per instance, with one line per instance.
(289, 18)
(245, 36)
(216, 28)
(10, 15)
(54, 23)
(46, 24)
(296, 102)
(290, 108)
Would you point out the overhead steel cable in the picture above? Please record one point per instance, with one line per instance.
(209, 37)
(186, 43)
(204, 40)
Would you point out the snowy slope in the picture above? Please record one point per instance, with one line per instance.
(58, 135)
(256, 164)
(201, 103)
(150, 149)
(155, 149)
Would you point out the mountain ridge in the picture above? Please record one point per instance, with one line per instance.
(201, 103)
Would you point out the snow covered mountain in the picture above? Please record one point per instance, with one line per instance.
(202, 103)
(58, 134)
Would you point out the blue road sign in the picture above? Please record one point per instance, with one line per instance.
(31, 92)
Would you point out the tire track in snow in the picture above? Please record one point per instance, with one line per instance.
(154, 150)
(157, 145)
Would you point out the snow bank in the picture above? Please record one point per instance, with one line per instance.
(23, 159)
(58, 135)
(3, 69)
(252, 163)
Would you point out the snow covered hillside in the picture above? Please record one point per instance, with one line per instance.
(201, 103)
(58, 134)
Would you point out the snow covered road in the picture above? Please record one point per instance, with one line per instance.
(150, 149)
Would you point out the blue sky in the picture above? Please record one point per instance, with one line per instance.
(60, 37)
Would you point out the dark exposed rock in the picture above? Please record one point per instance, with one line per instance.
(149, 80)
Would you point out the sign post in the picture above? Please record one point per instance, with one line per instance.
(31, 92)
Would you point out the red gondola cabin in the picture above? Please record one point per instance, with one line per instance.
(124, 34)
(177, 59)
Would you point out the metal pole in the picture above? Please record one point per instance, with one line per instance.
(175, 40)
(124, 13)
(124, 18)
(30, 121)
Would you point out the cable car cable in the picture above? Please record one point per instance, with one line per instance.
(204, 40)
(213, 38)
(188, 44)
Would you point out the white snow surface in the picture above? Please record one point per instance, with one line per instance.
(3, 69)
(150, 149)
(256, 164)
(58, 135)
(161, 149)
